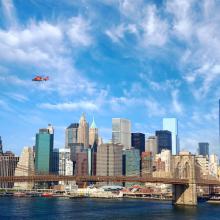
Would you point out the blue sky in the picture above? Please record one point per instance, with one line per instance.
(141, 60)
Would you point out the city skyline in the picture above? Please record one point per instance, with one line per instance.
(146, 61)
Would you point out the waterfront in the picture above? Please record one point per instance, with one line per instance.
(63, 208)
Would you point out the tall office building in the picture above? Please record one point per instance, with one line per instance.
(203, 149)
(25, 167)
(152, 145)
(65, 163)
(121, 132)
(93, 135)
(1, 147)
(219, 120)
(71, 134)
(146, 164)
(44, 150)
(131, 162)
(82, 163)
(55, 162)
(109, 160)
(83, 131)
(171, 124)
(164, 140)
(8, 163)
(138, 141)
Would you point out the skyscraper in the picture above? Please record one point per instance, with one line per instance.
(131, 162)
(25, 167)
(138, 141)
(83, 131)
(171, 124)
(8, 163)
(93, 135)
(44, 150)
(152, 145)
(164, 140)
(65, 163)
(1, 147)
(109, 160)
(121, 132)
(71, 134)
(203, 149)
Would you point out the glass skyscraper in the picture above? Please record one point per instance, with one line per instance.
(71, 135)
(44, 150)
(203, 149)
(138, 141)
(164, 140)
(171, 124)
(121, 132)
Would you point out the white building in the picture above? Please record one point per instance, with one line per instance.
(65, 163)
(121, 132)
(25, 167)
(171, 124)
(213, 165)
(203, 164)
(165, 157)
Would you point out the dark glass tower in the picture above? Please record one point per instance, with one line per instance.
(203, 149)
(44, 150)
(1, 150)
(138, 141)
(164, 140)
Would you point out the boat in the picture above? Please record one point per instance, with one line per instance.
(214, 200)
(19, 194)
(47, 194)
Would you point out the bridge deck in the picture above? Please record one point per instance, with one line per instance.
(55, 178)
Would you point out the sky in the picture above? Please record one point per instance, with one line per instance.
(140, 60)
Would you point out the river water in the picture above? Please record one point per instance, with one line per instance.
(64, 208)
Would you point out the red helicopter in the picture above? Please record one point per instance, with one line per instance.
(40, 78)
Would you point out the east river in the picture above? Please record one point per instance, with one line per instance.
(61, 208)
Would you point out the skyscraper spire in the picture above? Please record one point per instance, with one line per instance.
(93, 125)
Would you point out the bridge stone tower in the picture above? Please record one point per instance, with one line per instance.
(184, 167)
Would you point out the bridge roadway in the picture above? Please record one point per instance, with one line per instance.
(54, 178)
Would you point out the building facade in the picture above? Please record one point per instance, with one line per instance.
(171, 124)
(25, 167)
(83, 131)
(146, 164)
(121, 132)
(131, 162)
(164, 140)
(65, 163)
(44, 150)
(71, 134)
(8, 164)
(138, 141)
(109, 160)
(82, 163)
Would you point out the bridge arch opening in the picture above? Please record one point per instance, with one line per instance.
(186, 171)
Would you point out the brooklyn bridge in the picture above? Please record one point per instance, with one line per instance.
(185, 176)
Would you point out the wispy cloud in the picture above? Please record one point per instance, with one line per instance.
(9, 12)
(177, 106)
(70, 106)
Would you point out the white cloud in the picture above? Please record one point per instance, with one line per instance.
(9, 12)
(155, 30)
(154, 108)
(69, 106)
(78, 31)
(177, 107)
(18, 97)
